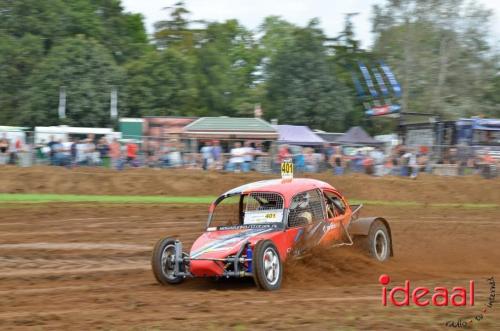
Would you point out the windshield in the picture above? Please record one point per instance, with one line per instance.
(248, 209)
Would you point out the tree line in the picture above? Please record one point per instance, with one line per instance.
(439, 50)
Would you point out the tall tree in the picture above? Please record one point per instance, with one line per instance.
(178, 30)
(439, 50)
(302, 88)
(226, 61)
(160, 84)
(86, 70)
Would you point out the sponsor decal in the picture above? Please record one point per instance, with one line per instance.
(229, 241)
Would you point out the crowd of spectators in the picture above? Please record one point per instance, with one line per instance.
(245, 156)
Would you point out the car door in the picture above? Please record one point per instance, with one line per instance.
(305, 219)
(338, 215)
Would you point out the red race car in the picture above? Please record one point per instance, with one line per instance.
(254, 228)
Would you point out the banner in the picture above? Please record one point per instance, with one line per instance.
(357, 85)
(368, 79)
(62, 102)
(380, 82)
(392, 79)
(113, 111)
(383, 110)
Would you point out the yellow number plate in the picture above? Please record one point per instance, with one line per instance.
(287, 170)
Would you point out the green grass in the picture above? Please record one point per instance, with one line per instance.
(43, 198)
(154, 199)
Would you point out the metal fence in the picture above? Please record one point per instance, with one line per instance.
(235, 155)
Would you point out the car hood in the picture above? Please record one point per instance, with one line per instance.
(227, 241)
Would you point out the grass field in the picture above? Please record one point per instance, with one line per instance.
(45, 198)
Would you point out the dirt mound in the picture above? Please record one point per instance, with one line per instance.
(426, 189)
(331, 266)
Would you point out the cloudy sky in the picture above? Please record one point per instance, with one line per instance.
(251, 12)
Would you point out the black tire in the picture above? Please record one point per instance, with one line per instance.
(267, 266)
(377, 243)
(162, 268)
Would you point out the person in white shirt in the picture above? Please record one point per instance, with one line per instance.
(237, 157)
(248, 157)
(206, 153)
(81, 153)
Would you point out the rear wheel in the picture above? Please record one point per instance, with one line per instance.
(268, 269)
(163, 262)
(377, 242)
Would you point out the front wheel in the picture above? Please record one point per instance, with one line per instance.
(268, 269)
(163, 262)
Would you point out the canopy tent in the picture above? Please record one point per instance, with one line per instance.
(357, 136)
(330, 137)
(230, 128)
(298, 135)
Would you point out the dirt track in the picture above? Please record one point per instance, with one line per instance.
(83, 266)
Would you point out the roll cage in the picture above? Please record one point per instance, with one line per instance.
(261, 202)
(317, 201)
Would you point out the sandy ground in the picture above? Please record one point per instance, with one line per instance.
(86, 266)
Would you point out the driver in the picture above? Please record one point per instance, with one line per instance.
(329, 208)
(300, 206)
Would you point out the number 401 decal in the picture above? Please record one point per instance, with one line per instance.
(287, 169)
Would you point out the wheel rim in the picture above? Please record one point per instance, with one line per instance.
(380, 245)
(168, 261)
(271, 266)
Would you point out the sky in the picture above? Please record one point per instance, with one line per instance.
(250, 13)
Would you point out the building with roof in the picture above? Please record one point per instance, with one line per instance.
(235, 128)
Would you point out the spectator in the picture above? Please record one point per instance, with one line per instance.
(487, 164)
(90, 150)
(283, 154)
(175, 156)
(248, 157)
(73, 152)
(378, 160)
(357, 161)
(217, 155)
(59, 155)
(103, 150)
(299, 160)
(337, 161)
(132, 153)
(328, 151)
(115, 154)
(405, 163)
(14, 148)
(81, 153)
(207, 155)
(4, 150)
(368, 164)
(52, 152)
(413, 165)
(149, 148)
(236, 161)
(311, 163)
(65, 158)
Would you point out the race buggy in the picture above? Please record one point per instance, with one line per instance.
(254, 228)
